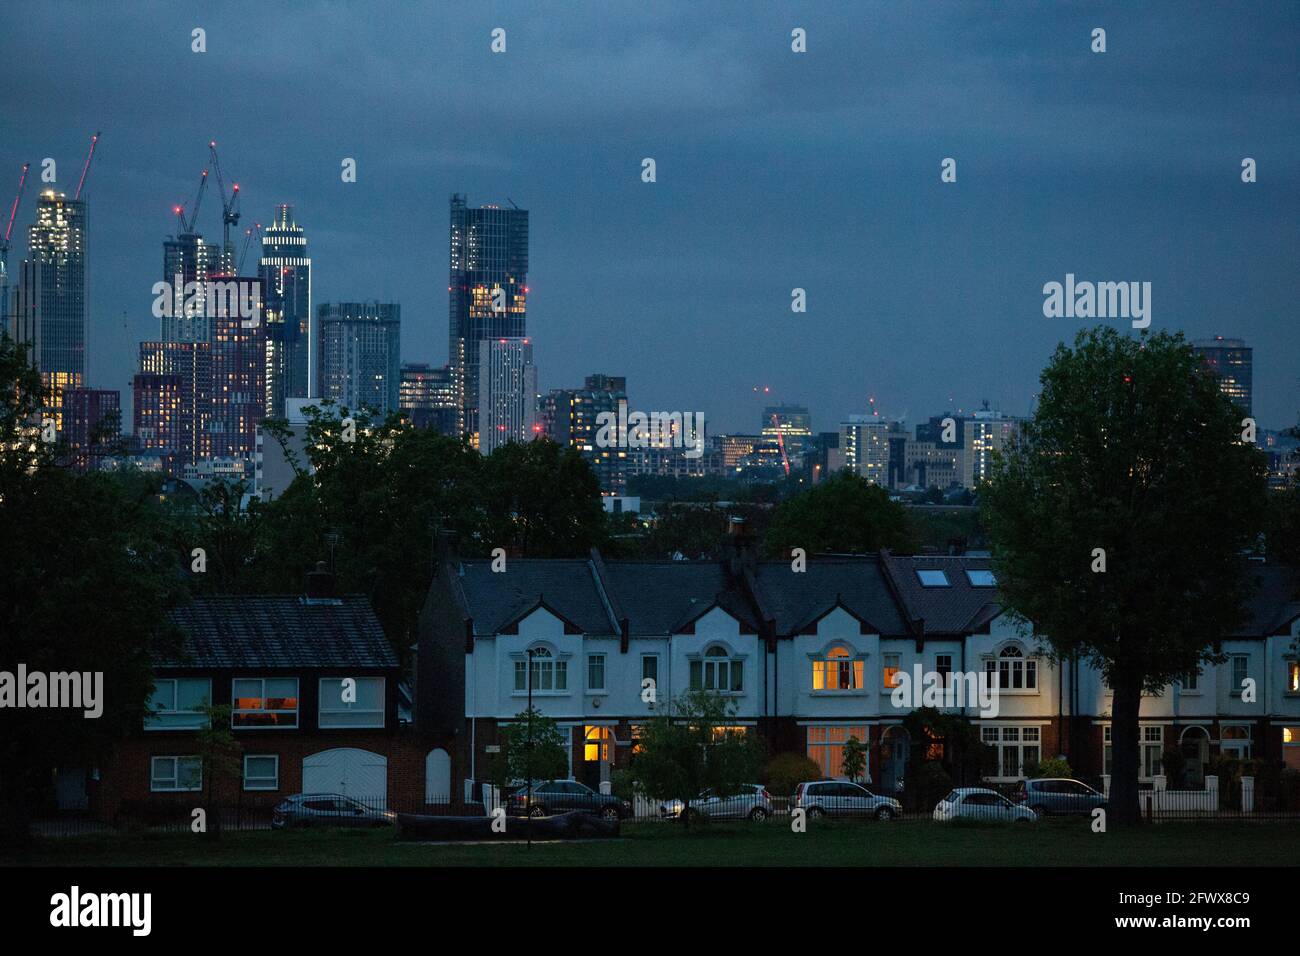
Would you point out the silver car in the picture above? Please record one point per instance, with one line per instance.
(840, 798)
(327, 810)
(753, 802)
(980, 803)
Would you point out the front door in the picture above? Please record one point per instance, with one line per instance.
(893, 760)
(597, 755)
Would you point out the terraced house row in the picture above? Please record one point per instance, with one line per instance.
(810, 658)
(321, 702)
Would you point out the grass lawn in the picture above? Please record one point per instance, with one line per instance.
(838, 843)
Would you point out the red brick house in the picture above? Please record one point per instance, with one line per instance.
(317, 703)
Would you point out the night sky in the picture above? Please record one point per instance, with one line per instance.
(775, 170)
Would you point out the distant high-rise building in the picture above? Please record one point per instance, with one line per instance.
(864, 442)
(428, 397)
(173, 399)
(943, 431)
(823, 458)
(91, 424)
(488, 292)
(238, 402)
(930, 465)
(156, 402)
(793, 423)
(360, 355)
(985, 432)
(285, 269)
(507, 401)
(49, 303)
(570, 417)
(187, 258)
(734, 449)
(1232, 362)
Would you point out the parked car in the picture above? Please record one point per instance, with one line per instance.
(1058, 795)
(562, 796)
(327, 810)
(753, 802)
(839, 798)
(979, 803)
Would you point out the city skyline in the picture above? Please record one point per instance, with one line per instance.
(908, 285)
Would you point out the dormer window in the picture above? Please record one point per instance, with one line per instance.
(1014, 671)
(837, 670)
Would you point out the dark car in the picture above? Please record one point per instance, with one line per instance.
(562, 796)
(1051, 796)
(327, 810)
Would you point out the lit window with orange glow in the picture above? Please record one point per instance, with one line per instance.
(837, 671)
(889, 675)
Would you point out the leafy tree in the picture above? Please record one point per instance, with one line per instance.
(226, 529)
(221, 754)
(371, 494)
(690, 748)
(845, 513)
(786, 771)
(1051, 767)
(542, 500)
(950, 742)
(370, 497)
(87, 575)
(545, 758)
(854, 764)
(1134, 451)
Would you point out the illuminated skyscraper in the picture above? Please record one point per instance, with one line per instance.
(360, 355)
(488, 292)
(984, 432)
(569, 417)
(175, 385)
(507, 402)
(428, 397)
(864, 442)
(238, 402)
(49, 306)
(792, 422)
(193, 260)
(156, 413)
(1232, 362)
(285, 269)
(92, 424)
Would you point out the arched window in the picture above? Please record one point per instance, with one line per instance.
(837, 670)
(1013, 670)
(548, 674)
(718, 671)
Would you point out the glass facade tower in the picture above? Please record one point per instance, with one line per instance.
(488, 293)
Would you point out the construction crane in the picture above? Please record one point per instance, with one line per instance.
(9, 229)
(229, 208)
(94, 141)
(187, 225)
(780, 440)
(248, 238)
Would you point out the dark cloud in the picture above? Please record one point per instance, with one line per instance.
(775, 170)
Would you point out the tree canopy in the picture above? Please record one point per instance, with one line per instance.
(843, 514)
(1119, 515)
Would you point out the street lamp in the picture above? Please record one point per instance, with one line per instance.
(528, 752)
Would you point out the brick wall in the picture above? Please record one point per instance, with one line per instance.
(124, 785)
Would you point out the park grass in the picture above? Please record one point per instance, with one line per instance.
(826, 843)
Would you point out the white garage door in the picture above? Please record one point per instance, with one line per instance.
(354, 773)
(437, 777)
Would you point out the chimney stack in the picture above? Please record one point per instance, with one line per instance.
(740, 547)
(320, 583)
